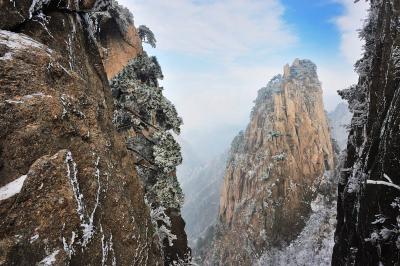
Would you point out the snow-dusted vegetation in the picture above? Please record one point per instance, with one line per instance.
(315, 243)
(148, 118)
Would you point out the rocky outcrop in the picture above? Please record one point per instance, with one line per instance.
(275, 168)
(70, 192)
(368, 226)
(14, 13)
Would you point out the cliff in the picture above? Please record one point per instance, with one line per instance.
(70, 190)
(368, 208)
(275, 168)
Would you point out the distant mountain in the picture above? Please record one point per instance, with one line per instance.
(202, 190)
(339, 120)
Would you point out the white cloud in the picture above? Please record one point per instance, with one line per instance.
(215, 100)
(334, 78)
(339, 74)
(214, 91)
(227, 28)
(349, 23)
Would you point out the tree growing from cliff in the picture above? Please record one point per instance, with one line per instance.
(168, 192)
(122, 16)
(141, 105)
(137, 92)
(167, 152)
(147, 36)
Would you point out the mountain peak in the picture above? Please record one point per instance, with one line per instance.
(300, 68)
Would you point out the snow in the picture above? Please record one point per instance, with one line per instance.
(165, 233)
(68, 247)
(34, 238)
(88, 228)
(43, 20)
(87, 222)
(27, 97)
(49, 260)
(13, 102)
(380, 182)
(72, 173)
(6, 56)
(315, 243)
(107, 248)
(279, 157)
(36, 6)
(12, 188)
(18, 41)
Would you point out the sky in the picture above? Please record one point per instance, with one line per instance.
(216, 54)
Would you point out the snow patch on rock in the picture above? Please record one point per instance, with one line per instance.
(12, 188)
(17, 42)
(50, 259)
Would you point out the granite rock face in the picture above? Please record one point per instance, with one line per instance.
(275, 168)
(70, 192)
(16, 12)
(367, 231)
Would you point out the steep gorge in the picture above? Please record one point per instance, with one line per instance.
(276, 168)
(72, 189)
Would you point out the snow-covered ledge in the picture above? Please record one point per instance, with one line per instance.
(12, 188)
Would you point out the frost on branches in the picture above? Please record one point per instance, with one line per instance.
(168, 192)
(147, 36)
(148, 117)
(158, 216)
(167, 152)
(122, 16)
(386, 230)
(138, 95)
(356, 97)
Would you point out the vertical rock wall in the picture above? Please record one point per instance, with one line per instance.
(69, 188)
(368, 226)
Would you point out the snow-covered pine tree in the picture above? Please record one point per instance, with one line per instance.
(147, 35)
(147, 117)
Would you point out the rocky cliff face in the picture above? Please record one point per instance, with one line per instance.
(368, 205)
(70, 192)
(275, 168)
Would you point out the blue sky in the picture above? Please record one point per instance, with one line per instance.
(215, 55)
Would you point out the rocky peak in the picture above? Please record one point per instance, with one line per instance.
(276, 168)
(301, 69)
